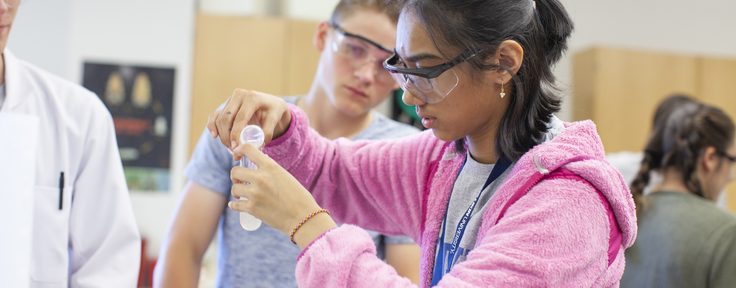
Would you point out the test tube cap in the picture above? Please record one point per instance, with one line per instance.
(252, 134)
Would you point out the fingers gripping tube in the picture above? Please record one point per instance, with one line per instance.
(252, 135)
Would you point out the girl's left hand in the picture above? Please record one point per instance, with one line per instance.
(276, 197)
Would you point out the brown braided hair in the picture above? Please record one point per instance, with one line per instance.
(653, 153)
(689, 130)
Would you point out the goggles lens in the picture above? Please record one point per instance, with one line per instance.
(429, 84)
(428, 90)
(359, 52)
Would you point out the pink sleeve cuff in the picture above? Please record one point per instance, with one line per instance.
(315, 240)
(289, 131)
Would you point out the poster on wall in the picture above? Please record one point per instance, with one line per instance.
(140, 100)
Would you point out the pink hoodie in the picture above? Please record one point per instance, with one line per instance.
(556, 235)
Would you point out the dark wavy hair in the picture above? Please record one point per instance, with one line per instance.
(541, 27)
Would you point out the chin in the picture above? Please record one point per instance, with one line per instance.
(445, 135)
(351, 108)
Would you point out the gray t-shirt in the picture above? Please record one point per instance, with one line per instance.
(466, 188)
(468, 184)
(265, 257)
(683, 241)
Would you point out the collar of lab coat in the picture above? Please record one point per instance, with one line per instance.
(17, 87)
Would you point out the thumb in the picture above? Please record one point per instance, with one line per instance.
(251, 152)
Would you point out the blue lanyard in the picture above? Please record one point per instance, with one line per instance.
(442, 264)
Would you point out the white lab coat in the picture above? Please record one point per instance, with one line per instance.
(93, 241)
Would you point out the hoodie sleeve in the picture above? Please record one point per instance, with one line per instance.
(552, 237)
(376, 184)
(345, 257)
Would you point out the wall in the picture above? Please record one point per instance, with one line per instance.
(240, 7)
(59, 35)
(309, 9)
(40, 34)
(158, 33)
(691, 27)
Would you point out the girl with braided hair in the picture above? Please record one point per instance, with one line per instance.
(684, 240)
(629, 163)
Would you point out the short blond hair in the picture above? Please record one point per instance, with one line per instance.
(347, 7)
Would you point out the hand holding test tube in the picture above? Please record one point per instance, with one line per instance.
(252, 135)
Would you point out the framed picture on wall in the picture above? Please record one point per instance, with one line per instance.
(140, 99)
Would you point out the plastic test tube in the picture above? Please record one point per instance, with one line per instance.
(252, 135)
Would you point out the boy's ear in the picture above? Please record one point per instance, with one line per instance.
(320, 35)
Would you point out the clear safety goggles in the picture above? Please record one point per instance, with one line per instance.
(431, 84)
(360, 51)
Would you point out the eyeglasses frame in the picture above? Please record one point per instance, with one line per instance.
(344, 33)
(427, 72)
(729, 157)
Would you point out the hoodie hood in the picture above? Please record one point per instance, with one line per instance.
(580, 139)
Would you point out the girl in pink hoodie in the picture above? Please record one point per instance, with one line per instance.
(500, 193)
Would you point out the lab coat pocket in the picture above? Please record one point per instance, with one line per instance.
(50, 252)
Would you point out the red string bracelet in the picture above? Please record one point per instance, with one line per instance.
(304, 221)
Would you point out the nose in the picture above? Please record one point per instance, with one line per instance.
(366, 72)
(4, 6)
(409, 99)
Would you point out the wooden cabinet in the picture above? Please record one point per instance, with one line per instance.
(272, 55)
(620, 89)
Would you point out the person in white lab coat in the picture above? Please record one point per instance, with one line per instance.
(84, 231)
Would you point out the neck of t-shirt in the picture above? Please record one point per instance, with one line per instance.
(474, 166)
